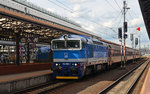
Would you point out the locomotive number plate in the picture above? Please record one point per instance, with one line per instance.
(66, 63)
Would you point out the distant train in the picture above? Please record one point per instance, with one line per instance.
(76, 55)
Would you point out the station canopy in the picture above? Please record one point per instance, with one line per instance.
(9, 26)
(145, 8)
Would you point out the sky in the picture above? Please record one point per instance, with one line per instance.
(101, 17)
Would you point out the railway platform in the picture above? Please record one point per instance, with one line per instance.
(15, 82)
(146, 87)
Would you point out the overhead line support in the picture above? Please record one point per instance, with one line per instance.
(125, 29)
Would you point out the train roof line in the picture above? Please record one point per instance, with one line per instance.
(109, 42)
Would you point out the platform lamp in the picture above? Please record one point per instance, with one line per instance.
(10, 37)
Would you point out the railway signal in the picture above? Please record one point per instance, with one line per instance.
(125, 26)
(120, 39)
(125, 30)
(136, 41)
(120, 33)
(131, 37)
(125, 35)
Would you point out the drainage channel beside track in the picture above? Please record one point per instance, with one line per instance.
(125, 83)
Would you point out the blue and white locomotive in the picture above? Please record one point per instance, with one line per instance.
(76, 55)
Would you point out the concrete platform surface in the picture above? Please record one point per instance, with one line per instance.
(16, 82)
(146, 85)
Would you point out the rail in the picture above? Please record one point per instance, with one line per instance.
(114, 84)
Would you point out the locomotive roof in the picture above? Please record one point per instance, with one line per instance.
(83, 38)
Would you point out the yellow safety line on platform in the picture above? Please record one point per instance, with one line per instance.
(66, 77)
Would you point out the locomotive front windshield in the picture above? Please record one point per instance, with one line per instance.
(59, 44)
(66, 44)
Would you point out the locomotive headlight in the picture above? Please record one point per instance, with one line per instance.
(75, 64)
(56, 64)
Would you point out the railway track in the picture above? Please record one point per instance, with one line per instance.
(55, 85)
(125, 83)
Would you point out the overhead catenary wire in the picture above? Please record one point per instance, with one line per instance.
(80, 16)
(65, 6)
(60, 6)
(118, 5)
(71, 11)
(116, 28)
(110, 5)
(136, 25)
(119, 22)
(132, 18)
(116, 19)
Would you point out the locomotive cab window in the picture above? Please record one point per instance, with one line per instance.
(73, 44)
(66, 44)
(59, 44)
